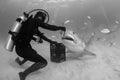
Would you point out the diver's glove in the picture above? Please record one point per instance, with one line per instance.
(62, 28)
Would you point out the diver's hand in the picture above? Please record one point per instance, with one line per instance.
(39, 40)
(62, 28)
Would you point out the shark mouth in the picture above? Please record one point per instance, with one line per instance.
(68, 38)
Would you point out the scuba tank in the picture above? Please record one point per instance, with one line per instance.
(16, 28)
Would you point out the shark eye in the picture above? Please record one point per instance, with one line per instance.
(73, 32)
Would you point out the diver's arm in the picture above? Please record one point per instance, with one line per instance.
(51, 27)
(48, 40)
(41, 35)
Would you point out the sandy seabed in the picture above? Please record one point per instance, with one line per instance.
(104, 66)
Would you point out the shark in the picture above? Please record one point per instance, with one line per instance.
(74, 44)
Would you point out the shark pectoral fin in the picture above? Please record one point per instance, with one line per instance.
(86, 52)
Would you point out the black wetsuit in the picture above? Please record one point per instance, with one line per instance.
(22, 40)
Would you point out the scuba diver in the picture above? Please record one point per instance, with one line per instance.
(22, 41)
